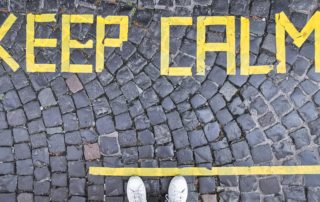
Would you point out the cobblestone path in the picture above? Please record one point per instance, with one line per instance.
(53, 126)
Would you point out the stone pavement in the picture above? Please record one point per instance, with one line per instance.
(54, 126)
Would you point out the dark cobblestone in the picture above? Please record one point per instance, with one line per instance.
(223, 156)
(46, 98)
(203, 155)
(276, 133)
(55, 125)
(248, 183)
(261, 154)
(292, 120)
(16, 117)
(52, 117)
(232, 131)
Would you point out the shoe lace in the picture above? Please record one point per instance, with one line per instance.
(137, 196)
(176, 196)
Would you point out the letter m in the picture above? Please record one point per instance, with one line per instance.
(283, 25)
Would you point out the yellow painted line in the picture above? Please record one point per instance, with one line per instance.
(196, 171)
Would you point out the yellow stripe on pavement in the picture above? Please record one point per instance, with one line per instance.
(196, 171)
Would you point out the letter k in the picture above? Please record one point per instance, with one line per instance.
(3, 53)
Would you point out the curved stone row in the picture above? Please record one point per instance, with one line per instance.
(55, 126)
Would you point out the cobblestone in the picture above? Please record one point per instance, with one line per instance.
(109, 144)
(261, 153)
(248, 183)
(74, 84)
(56, 125)
(276, 133)
(46, 98)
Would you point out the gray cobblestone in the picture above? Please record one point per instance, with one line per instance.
(292, 120)
(281, 105)
(52, 117)
(223, 156)
(248, 183)
(283, 149)
(261, 153)
(276, 132)
(232, 131)
(11, 101)
(123, 121)
(203, 155)
(300, 137)
(46, 97)
(56, 125)
(259, 106)
(308, 112)
(240, 150)
(185, 156)
(269, 185)
(109, 144)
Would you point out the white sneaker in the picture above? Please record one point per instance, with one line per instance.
(136, 191)
(178, 190)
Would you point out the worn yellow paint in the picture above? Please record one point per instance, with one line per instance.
(196, 171)
(102, 42)
(32, 42)
(4, 55)
(283, 25)
(228, 46)
(245, 67)
(166, 23)
(67, 43)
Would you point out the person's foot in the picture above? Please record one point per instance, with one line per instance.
(178, 190)
(136, 191)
